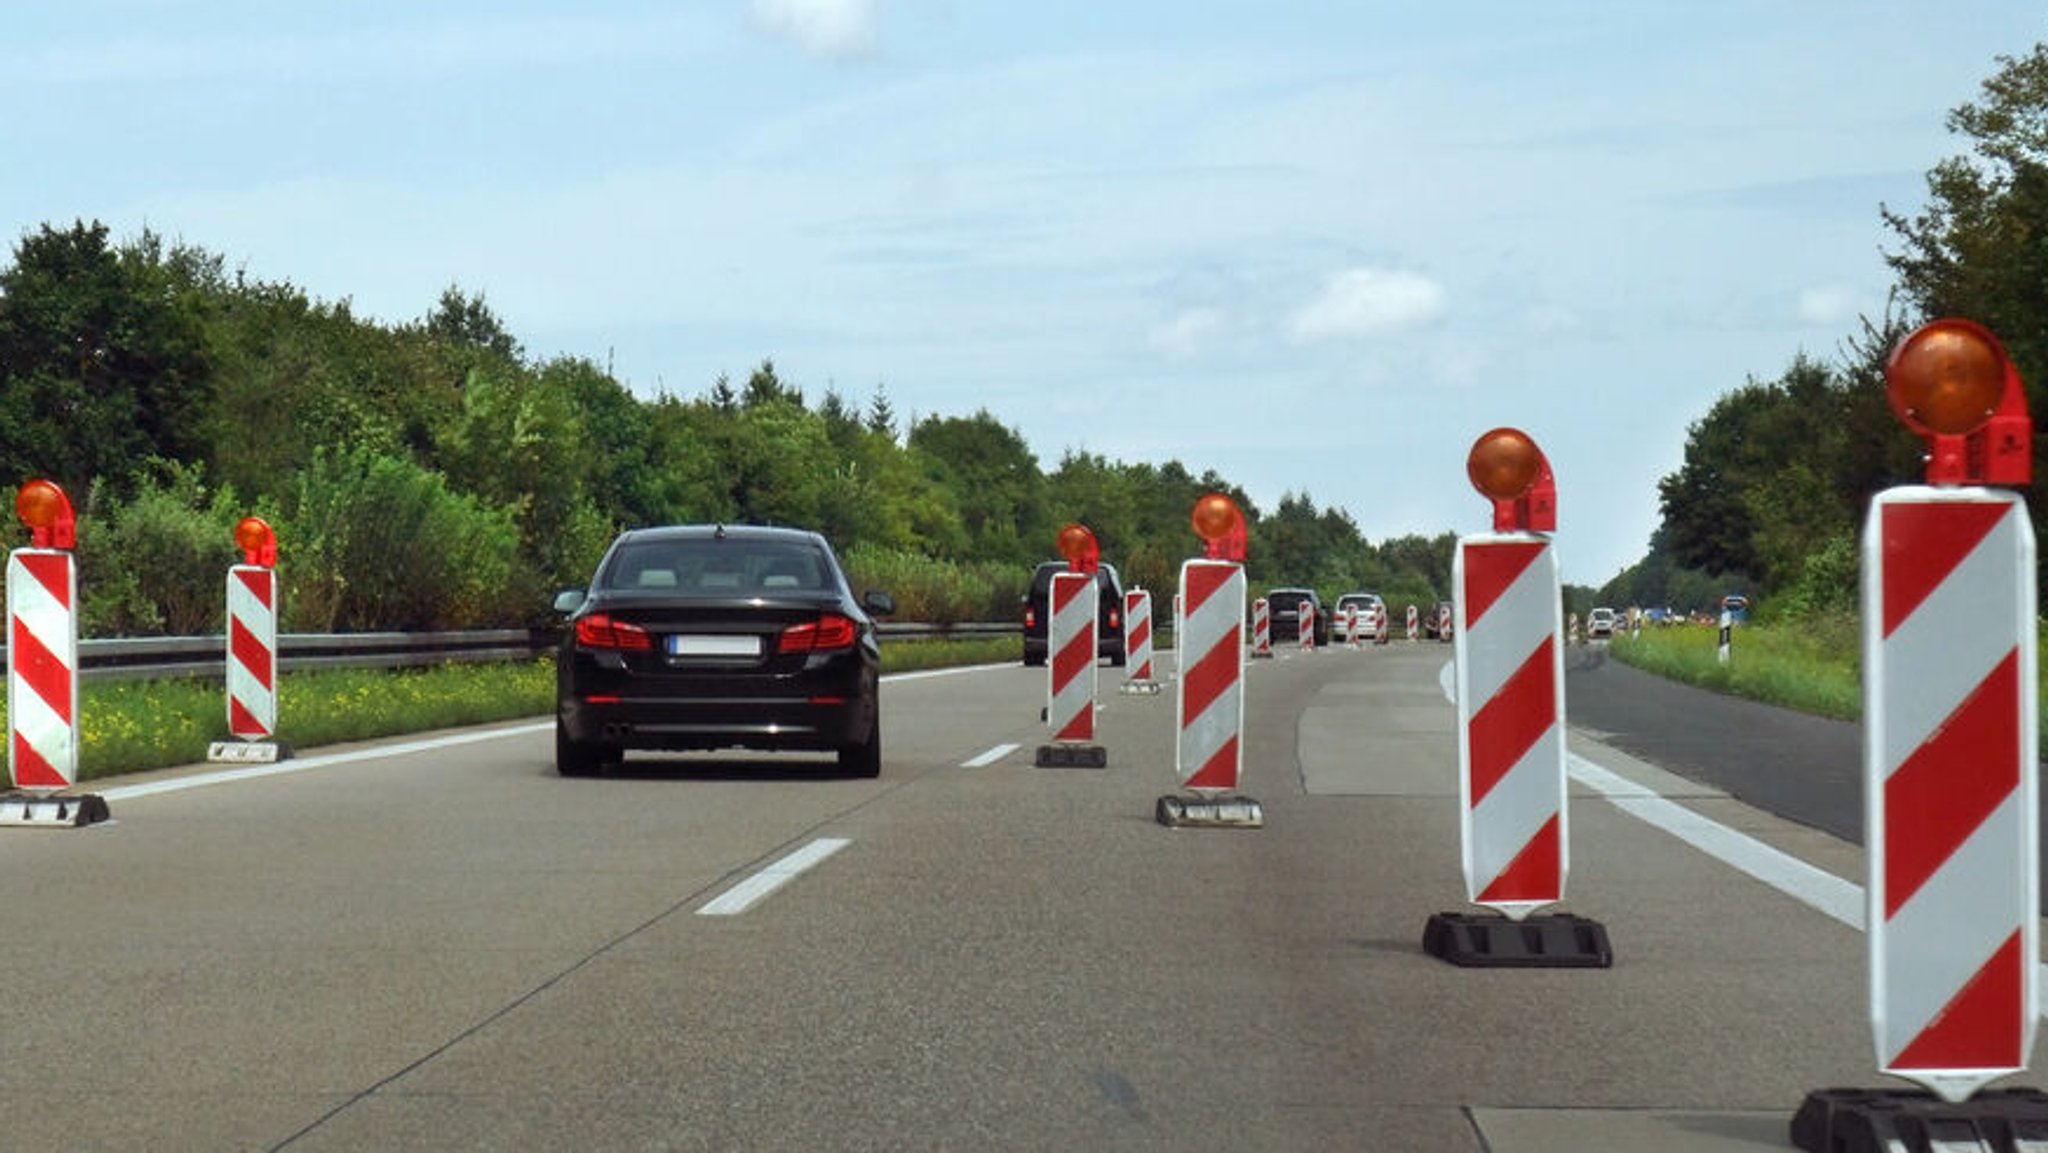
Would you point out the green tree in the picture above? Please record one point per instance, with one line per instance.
(1979, 248)
(466, 321)
(103, 354)
(1762, 480)
(996, 481)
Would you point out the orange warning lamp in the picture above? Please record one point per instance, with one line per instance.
(1508, 469)
(44, 508)
(258, 543)
(1219, 522)
(1951, 382)
(1077, 544)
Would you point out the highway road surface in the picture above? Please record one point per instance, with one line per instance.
(440, 944)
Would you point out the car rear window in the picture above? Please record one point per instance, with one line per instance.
(714, 568)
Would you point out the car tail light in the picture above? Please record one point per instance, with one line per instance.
(1114, 619)
(601, 631)
(827, 633)
(1030, 618)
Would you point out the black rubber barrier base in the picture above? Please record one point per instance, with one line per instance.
(1072, 756)
(30, 811)
(248, 752)
(1221, 812)
(1916, 1121)
(1489, 940)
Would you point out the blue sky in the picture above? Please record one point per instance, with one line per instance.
(1317, 247)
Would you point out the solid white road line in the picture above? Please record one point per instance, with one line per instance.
(1840, 899)
(990, 757)
(301, 764)
(1845, 901)
(744, 895)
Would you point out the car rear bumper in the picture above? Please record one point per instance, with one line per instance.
(718, 722)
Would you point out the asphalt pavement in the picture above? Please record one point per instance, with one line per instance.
(443, 945)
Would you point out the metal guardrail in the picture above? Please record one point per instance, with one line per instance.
(206, 656)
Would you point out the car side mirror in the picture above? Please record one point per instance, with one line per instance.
(878, 602)
(569, 600)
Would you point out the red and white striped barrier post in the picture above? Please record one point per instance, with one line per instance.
(1305, 621)
(1071, 646)
(1354, 634)
(252, 650)
(1262, 628)
(1414, 624)
(1138, 677)
(1209, 701)
(1950, 753)
(1511, 740)
(42, 667)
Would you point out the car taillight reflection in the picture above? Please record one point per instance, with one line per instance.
(601, 631)
(823, 635)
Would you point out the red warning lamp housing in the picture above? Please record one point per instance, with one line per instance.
(1508, 469)
(258, 543)
(1077, 544)
(1951, 382)
(1220, 523)
(44, 508)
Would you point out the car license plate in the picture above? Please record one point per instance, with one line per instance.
(690, 645)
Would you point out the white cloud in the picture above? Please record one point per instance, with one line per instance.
(1186, 332)
(1828, 305)
(1550, 320)
(1369, 302)
(833, 29)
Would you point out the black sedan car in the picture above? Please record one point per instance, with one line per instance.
(714, 636)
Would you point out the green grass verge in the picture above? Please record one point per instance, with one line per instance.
(1814, 666)
(1815, 669)
(130, 726)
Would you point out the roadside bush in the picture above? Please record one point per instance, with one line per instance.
(1829, 583)
(937, 591)
(374, 542)
(156, 565)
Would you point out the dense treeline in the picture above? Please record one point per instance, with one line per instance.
(431, 475)
(1777, 475)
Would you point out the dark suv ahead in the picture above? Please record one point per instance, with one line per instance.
(1283, 608)
(1109, 620)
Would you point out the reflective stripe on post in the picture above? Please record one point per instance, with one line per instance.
(252, 652)
(1511, 748)
(1262, 626)
(1071, 639)
(1950, 784)
(42, 669)
(1209, 702)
